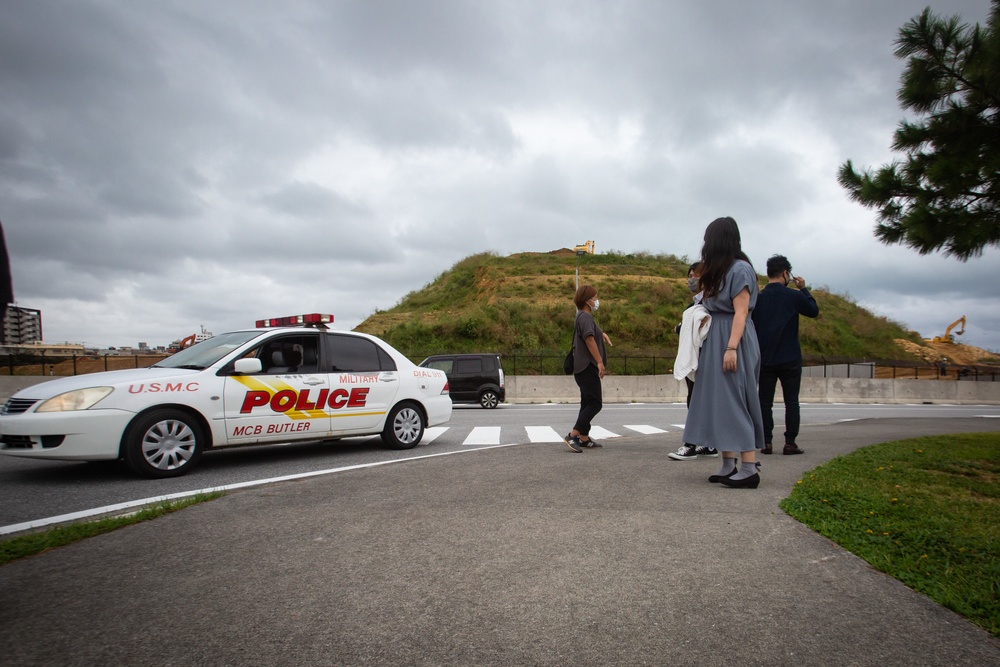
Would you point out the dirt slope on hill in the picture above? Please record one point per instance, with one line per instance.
(955, 353)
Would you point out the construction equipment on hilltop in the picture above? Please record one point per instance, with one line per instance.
(585, 249)
(188, 341)
(948, 337)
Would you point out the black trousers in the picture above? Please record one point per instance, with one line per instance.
(790, 376)
(690, 385)
(589, 381)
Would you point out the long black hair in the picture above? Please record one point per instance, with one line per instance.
(722, 248)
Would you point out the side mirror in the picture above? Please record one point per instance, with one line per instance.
(247, 366)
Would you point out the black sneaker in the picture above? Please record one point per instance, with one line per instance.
(590, 443)
(685, 453)
(706, 452)
(573, 442)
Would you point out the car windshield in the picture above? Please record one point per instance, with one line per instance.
(207, 352)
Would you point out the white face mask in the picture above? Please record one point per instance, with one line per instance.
(596, 304)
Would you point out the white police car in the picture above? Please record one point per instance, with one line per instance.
(299, 381)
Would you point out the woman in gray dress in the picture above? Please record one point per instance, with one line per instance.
(725, 411)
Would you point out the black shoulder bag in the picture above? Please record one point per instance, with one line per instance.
(569, 362)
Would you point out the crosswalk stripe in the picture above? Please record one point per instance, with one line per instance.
(484, 435)
(430, 434)
(542, 434)
(490, 435)
(644, 429)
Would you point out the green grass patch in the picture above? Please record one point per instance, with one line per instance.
(59, 536)
(925, 511)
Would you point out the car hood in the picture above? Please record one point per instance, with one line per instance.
(46, 390)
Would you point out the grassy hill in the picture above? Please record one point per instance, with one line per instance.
(523, 304)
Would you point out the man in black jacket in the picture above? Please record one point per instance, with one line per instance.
(776, 318)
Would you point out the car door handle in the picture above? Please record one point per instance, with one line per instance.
(313, 381)
(387, 379)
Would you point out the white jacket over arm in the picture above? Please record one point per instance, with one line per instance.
(694, 329)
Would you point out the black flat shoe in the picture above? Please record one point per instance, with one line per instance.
(715, 479)
(751, 482)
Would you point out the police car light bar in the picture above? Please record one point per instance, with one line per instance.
(311, 320)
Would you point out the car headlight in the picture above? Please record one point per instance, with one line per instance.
(81, 399)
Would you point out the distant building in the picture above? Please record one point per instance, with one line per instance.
(40, 348)
(21, 326)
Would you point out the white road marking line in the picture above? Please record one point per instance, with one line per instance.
(431, 434)
(598, 432)
(113, 509)
(483, 435)
(542, 434)
(680, 426)
(644, 429)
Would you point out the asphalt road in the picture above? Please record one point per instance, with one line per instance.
(34, 493)
(512, 555)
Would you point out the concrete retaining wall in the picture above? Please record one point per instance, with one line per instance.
(665, 389)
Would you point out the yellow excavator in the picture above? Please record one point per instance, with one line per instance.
(948, 337)
(585, 248)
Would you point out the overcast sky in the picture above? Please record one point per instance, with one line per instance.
(171, 164)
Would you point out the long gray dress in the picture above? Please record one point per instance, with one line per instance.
(725, 410)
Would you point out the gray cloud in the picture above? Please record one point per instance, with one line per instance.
(180, 163)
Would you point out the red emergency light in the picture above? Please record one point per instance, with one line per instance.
(311, 320)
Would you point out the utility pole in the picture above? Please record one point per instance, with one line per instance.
(581, 250)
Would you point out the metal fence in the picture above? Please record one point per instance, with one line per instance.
(548, 363)
(75, 364)
(894, 369)
(540, 363)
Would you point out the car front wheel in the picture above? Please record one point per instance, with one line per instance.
(489, 399)
(163, 443)
(404, 428)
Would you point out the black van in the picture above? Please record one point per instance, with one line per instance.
(472, 378)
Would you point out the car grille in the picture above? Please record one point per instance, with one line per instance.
(16, 406)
